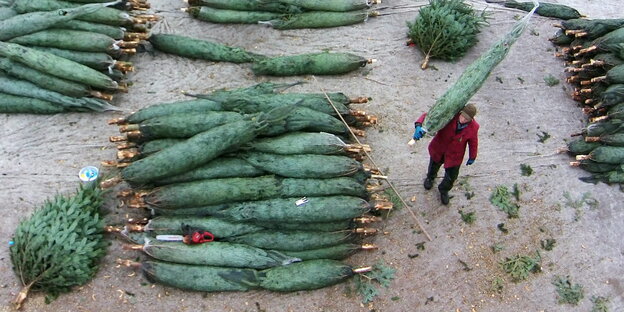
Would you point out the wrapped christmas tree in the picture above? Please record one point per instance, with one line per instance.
(473, 77)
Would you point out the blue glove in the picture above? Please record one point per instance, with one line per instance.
(470, 162)
(418, 134)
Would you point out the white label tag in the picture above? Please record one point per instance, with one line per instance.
(169, 238)
(301, 201)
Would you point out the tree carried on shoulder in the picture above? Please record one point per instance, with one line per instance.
(448, 148)
(451, 118)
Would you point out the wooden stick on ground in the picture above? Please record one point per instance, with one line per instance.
(420, 225)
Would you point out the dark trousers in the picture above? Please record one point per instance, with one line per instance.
(450, 175)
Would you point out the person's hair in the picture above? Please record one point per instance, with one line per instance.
(469, 111)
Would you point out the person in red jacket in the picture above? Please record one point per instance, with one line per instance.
(449, 146)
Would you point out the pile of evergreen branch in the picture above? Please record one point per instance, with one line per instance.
(501, 198)
(568, 292)
(365, 284)
(519, 267)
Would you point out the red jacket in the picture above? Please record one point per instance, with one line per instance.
(450, 145)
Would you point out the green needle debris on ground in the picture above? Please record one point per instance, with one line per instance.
(501, 198)
(365, 283)
(543, 137)
(577, 205)
(568, 293)
(366, 289)
(601, 304)
(551, 80)
(397, 204)
(420, 246)
(548, 244)
(468, 217)
(468, 191)
(501, 227)
(498, 284)
(519, 267)
(526, 170)
(516, 192)
(497, 247)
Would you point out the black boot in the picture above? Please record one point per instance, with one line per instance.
(428, 184)
(432, 172)
(444, 198)
(450, 175)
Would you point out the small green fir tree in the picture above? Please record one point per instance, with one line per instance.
(445, 29)
(60, 245)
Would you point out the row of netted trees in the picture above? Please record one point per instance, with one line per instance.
(594, 51)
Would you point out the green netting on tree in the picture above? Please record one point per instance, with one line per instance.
(546, 9)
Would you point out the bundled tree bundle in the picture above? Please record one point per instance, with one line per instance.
(594, 51)
(283, 14)
(545, 9)
(323, 63)
(307, 275)
(58, 56)
(249, 169)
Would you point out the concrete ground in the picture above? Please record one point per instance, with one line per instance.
(456, 270)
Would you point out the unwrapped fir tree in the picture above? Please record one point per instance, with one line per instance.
(60, 245)
(445, 29)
